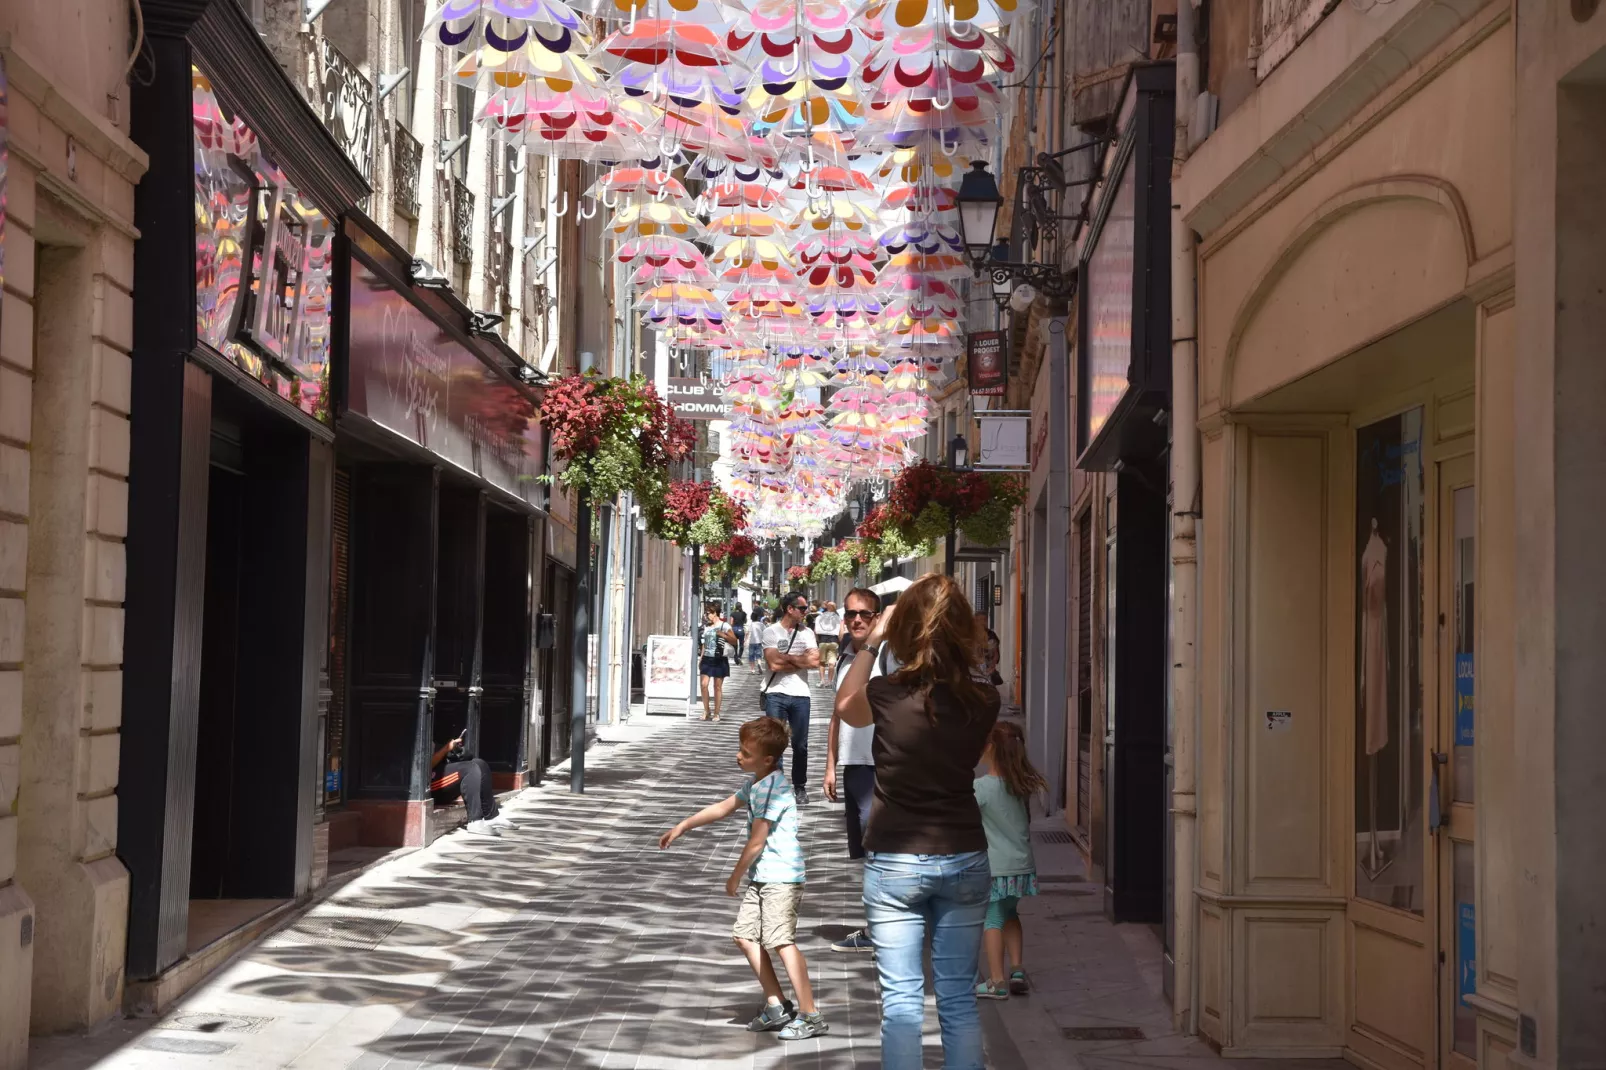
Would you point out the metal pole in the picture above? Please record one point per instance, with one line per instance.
(580, 657)
(948, 549)
(605, 615)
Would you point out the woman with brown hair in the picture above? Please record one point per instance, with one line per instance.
(926, 847)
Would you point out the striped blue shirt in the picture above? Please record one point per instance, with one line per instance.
(781, 861)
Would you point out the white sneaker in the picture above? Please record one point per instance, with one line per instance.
(481, 828)
(502, 821)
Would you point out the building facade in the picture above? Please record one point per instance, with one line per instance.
(68, 171)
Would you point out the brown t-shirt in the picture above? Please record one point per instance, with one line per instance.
(925, 800)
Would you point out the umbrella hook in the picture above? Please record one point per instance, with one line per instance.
(938, 102)
(561, 212)
(635, 10)
(580, 210)
(607, 193)
(942, 143)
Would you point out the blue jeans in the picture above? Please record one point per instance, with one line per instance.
(904, 895)
(741, 635)
(794, 710)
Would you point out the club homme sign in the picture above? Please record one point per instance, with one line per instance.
(698, 399)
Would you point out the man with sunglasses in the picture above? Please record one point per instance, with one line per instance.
(849, 765)
(790, 651)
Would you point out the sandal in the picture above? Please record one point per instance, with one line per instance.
(1018, 985)
(988, 990)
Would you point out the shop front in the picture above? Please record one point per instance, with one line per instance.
(1354, 891)
(1123, 402)
(231, 461)
(438, 501)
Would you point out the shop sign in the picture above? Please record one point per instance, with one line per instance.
(985, 355)
(263, 258)
(411, 377)
(1108, 281)
(699, 399)
(1004, 439)
(668, 666)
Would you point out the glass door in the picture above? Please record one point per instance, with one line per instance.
(1451, 789)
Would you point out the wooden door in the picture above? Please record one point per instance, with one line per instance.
(392, 625)
(506, 645)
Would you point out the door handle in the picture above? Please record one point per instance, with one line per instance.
(473, 691)
(1435, 789)
(427, 692)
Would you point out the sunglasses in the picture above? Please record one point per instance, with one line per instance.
(867, 614)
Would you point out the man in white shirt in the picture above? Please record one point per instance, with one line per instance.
(790, 651)
(849, 763)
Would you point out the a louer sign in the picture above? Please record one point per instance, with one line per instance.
(694, 399)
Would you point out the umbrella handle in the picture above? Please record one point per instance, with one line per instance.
(937, 101)
(610, 205)
(635, 10)
(942, 143)
(561, 212)
(580, 210)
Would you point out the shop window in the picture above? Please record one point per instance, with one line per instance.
(262, 260)
(1390, 820)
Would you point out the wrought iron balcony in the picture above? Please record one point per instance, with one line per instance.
(347, 106)
(407, 156)
(462, 222)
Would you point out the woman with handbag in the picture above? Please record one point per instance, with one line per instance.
(926, 847)
(715, 664)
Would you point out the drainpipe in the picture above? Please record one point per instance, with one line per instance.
(1184, 557)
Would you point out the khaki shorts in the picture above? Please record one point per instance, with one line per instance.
(768, 914)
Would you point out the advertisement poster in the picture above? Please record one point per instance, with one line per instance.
(989, 369)
(1390, 822)
(668, 667)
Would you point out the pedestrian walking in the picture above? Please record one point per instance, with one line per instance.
(926, 862)
(828, 631)
(790, 651)
(714, 666)
(739, 626)
(1003, 792)
(849, 763)
(755, 639)
(766, 921)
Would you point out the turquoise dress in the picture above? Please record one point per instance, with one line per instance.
(1009, 839)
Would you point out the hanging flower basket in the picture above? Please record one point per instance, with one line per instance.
(612, 435)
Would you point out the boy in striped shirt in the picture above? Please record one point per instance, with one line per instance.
(773, 858)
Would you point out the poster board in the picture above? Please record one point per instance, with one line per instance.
(668, 683)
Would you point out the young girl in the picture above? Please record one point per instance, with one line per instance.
(1002, 793)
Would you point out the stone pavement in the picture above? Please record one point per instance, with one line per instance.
(574, 942)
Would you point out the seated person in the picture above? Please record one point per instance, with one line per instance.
(454, 772)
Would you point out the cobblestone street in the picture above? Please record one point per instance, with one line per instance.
(574, 942)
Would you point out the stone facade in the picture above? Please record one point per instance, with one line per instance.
(65, 336)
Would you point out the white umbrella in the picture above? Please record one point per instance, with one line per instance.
(893, 586)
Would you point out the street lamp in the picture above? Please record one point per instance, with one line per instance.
(958, 461)
(979, 202)
(855, 510)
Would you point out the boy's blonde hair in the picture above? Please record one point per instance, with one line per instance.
(767, 735)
